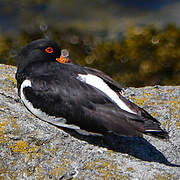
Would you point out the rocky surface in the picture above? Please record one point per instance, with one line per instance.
(33, 149)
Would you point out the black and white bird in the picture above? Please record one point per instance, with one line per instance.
(80, 98)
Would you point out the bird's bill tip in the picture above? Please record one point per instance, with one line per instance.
(62, 59)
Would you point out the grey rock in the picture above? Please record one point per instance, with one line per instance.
(33, 149)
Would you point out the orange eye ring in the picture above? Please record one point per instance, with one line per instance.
(49, 50)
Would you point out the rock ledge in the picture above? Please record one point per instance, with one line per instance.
(33, 149)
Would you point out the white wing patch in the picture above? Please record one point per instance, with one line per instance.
(98, 83)
(40, 114)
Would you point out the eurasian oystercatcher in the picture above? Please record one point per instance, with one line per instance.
(76, 97)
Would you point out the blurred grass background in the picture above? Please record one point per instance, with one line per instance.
(137, 44)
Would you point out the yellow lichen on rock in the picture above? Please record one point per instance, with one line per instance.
(165, 176)
(130, 169)
(177, 125)
(11, 79)
(175, 104)
(138, 101)
(104, 169)
(60, 169)
(24, 147)
(3, 138)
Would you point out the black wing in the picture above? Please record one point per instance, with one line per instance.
(117, 88)
(64, 98)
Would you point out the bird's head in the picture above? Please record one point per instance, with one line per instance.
(40, 50)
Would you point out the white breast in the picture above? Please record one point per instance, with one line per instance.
(98, 83)
(40, 114)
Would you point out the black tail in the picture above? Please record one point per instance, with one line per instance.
(121, 122)
(161, 134)
(147, 124)
(152, 128)
(136, 126)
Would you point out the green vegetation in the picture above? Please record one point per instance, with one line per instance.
(142, 56)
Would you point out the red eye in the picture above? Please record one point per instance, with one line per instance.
(49, 50)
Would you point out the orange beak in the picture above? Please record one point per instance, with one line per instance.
(62, 59)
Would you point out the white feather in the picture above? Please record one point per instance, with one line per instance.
(98, 83)
(152, 130)
(40, 114)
